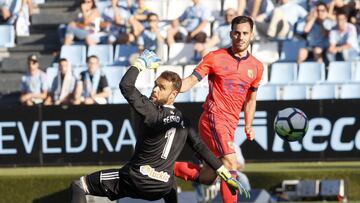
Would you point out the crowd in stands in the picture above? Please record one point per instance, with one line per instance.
(17, 13)
(329, 30)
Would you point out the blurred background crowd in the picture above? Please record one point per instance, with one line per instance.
(75, 52)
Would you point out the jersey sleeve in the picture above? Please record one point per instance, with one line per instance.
(205, 67)
(255, 84)
(200, 148)
(139, 102)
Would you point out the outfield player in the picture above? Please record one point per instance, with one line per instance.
(234, 76)
(163, 133)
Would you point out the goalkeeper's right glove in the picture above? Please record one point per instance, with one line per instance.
(148, 59)
(232, 184)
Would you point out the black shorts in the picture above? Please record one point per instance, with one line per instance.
(116, 184)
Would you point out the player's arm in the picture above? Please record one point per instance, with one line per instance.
(139, 102)
(188, 83)
(249, 112)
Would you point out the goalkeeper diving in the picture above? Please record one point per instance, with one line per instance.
(163, 133)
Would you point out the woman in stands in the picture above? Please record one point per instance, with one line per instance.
(86, 26)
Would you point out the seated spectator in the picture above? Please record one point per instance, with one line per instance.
(33, 84)
(93, 86)
(344, 6)
(63, 85)
(151, 38)
(193, 20)
(254, 8)
(281, 21)
(86, 26)
(343, 43)
(23, 18)
(220, 38)
(141, 11)
(115, 22)
(4, 11)
(317, 28)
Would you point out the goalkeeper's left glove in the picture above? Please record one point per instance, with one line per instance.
(148, 59)
(232, 184)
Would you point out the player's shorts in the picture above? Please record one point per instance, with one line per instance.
(116, 184)
(217, 134)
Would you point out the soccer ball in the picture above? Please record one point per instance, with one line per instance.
(291, 124)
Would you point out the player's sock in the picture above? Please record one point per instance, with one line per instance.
(77, 193)
(226, 195)
(187, 171)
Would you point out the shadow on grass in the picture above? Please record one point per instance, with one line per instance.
(58, 197)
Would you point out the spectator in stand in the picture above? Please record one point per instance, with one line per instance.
(93, 86)
(343, 40)
(63, 85)
(86, 26)
(194, 20)
(4, 11)
(33, 84)
(151, 38)
(141, 11)
(280, 21)
(220, 38)
(344, 6)
(254, 8)
(317, 28)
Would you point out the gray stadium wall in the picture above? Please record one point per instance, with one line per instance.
(62, 135)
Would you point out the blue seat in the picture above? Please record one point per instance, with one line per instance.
(356, 76)
(76, 54)
(123, 53)
(51, 73)
(311, 72)
(266, 93)
(176, 69)
(323, 91)
(7, 36)
(283, 73)
(117, 97)
(294, 92)
(290, 50)
(104, 52)
(114, 75)
(181, 53)
(184, 97)
(350, 91)
(339, 72)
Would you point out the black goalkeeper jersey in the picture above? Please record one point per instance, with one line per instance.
(163, 134)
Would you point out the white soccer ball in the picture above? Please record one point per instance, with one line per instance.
(291, 124)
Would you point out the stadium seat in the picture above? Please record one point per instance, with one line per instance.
(122, 54)
(114, 75)
(323, 91)
(350, 91)
(339, 71)
(283, 73)
(176, 69)
(356, 75)
(104, 52)
(294, 92)
(266, 92)
(117, 97)
(181, 53)
(102, 5)
(290, 50)
(176, 7)
(265, 76)
(184, 97)
(76, 54)
(189, 69)
(200, 93)
(145, 79)
(158, 7)
(311, 72)
(51, 73)
(7, 36)
(266, 52)
(78, 70)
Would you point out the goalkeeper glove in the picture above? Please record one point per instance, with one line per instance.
(232, 184)
(148, 59)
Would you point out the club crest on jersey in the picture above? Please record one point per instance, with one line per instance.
(151, 173)
(250, 73)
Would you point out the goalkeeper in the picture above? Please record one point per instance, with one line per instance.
(163, 134)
